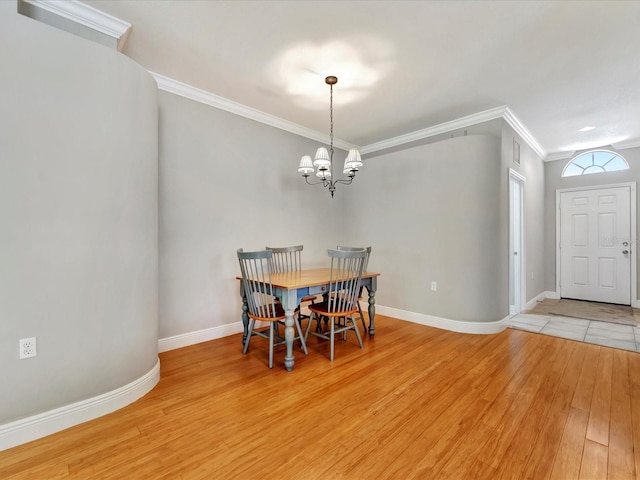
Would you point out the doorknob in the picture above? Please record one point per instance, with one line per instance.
(625, 251)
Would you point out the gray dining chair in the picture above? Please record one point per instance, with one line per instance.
(289, 259)
(258, 289)
(366, 264)
(340, 303)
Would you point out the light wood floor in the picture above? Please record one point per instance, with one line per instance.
(417, 402)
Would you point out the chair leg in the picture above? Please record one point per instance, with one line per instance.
(300, 337)
(355, 327)
(252, 323)
(364, 325)
(271, 333)
(332, 336)
(306, 332)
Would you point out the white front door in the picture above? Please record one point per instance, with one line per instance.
(595, 245)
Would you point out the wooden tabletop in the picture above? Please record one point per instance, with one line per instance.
(306, 278)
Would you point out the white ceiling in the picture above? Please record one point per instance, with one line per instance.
(405, 66)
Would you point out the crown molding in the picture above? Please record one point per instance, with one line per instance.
(446, 127)
(552, 157)
(202, 96)
(524, 132)
(184, 90)
(635, 143)
(84, 15)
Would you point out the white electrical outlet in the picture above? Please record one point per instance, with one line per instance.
(28, 347)
(434, 286)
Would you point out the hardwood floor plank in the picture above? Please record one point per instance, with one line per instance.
(634, 385)
(621, 457)
(584, 391)
(416, 402)
(566, 464)
(600, 413)
(594, 461)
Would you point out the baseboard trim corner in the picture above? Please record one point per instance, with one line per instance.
(37, 426)
(532, 303)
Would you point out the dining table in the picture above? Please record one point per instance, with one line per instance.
(291, 287)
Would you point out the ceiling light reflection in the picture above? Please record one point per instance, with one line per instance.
(358, 63)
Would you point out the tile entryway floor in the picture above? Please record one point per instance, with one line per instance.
(614, 335)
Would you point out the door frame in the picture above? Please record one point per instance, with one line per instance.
(517, 285)
(632, 242)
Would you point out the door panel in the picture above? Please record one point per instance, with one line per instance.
(593, 226)
(580, 271)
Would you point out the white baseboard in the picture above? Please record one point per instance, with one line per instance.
(532, 303)
(38, 426)
(199, 336)
(461, 326)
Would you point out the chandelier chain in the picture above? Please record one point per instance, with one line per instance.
(331, 129)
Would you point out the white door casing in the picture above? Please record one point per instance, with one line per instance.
(596, 244)
(517, 296)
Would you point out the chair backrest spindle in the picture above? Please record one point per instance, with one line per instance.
(256, 282)
(345, 279)
(286, 259)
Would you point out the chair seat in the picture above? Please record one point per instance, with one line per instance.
(276, 316)
(322, 308)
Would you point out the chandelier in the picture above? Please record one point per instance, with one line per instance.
(323, 160)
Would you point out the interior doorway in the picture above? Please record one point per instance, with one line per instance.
(516, 243)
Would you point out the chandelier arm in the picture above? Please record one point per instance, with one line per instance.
(343, 181)
(306, 179)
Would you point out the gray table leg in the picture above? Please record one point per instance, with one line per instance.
(245, 314)
(372, 305)
(289, 303)
(372, 313)
(289, 333)
(245, 319)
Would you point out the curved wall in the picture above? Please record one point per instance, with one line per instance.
(78, 209)
(433, 213)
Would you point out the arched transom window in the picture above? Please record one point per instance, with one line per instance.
(595, 161)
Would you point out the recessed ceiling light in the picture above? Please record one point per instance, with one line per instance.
(586, 129)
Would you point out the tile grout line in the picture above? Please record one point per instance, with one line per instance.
(586, 331)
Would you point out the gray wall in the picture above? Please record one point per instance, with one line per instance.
(227, 182)
(532, 168)
(433, 213)
(78, 208)
(554, 182)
